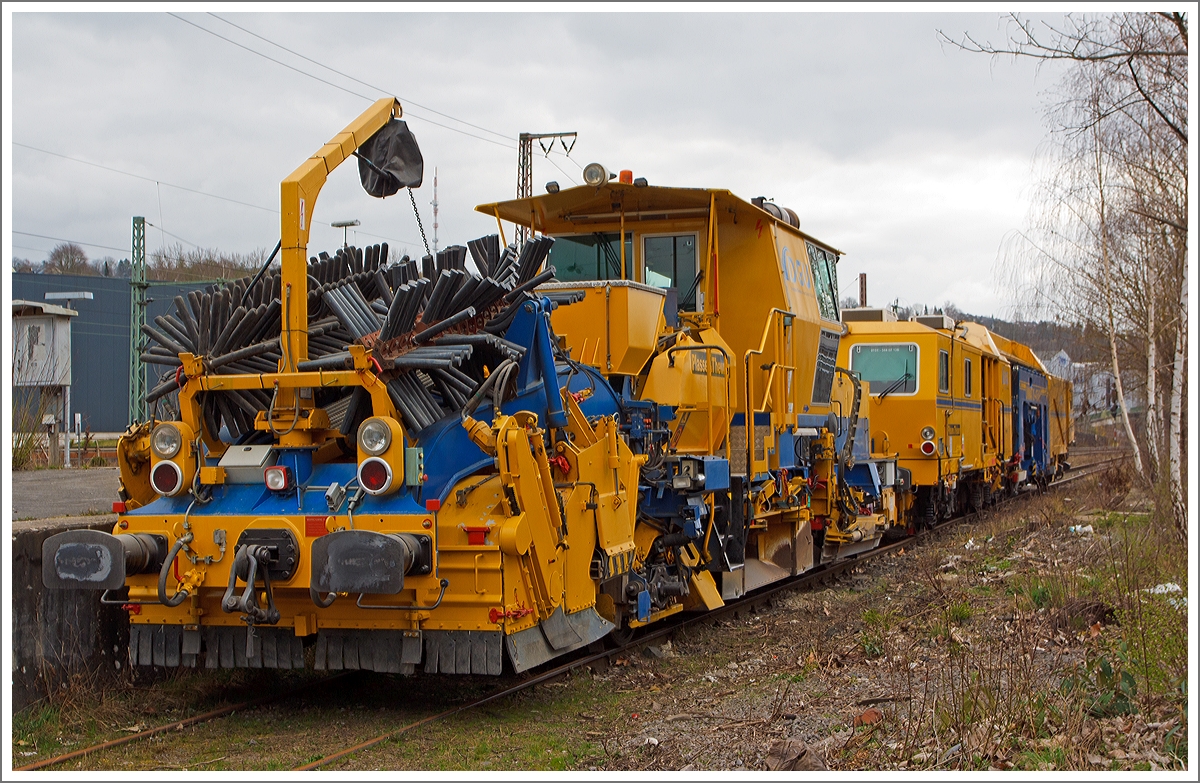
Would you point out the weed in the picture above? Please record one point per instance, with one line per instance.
(1106, 690)
(871, 644)
(960, 612)
(1051, 758)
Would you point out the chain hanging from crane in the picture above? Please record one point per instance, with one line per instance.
(419, 225)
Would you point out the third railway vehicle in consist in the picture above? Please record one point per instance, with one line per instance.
(651, 406)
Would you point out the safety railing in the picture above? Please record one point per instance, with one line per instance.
(775, 388)
(710, 411)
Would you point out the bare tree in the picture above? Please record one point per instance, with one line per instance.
(1107, 247)
(176, 263)
(67, 258)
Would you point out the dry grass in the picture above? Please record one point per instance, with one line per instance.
(1009, 643)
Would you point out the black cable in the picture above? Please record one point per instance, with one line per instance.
(261, 272)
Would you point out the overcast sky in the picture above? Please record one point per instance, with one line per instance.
(913, 157)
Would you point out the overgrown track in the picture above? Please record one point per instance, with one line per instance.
(746, 603)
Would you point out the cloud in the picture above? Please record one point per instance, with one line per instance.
(912, 156)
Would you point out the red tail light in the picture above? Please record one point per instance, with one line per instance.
(375, 476)
(166, 478)
(927, 448)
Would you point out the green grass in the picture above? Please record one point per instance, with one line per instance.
(1054, 758)
(960, 612)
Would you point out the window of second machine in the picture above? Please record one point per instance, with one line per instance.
(888, 368)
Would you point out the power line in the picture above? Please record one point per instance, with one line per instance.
(331, 84)
(177, 187)
(380, 89)
(365, 84)
(34, 249)
(143, 178)
(72, 241)
(176, 236)
(560, 168)
(272, 59)
(360, 81)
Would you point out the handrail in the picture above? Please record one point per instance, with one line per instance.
(707, 347)
(749, 409)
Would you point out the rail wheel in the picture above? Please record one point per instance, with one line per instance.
(978, 496)
(621, 635)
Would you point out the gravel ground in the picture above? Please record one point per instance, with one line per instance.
(63, 492)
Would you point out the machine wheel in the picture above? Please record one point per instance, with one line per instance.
(930, 509)
(620, 636)
(978, 496)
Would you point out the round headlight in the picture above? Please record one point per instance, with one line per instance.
(374, 436)
(595, 175)
(166, 440)
(927, 433)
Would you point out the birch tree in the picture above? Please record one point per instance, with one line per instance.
(1107, 246)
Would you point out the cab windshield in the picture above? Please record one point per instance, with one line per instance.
(889, 369)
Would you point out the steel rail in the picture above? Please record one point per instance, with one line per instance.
(671, 626)
(181, 724)
(821, 573)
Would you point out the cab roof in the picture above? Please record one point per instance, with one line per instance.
(571, 209)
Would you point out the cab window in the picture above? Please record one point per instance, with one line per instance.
(594, 256)
(824, 272)
(670, 262)
(888, 369)
(966, 377)
(943, 371)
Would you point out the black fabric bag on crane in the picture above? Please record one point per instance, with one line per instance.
(396, 157)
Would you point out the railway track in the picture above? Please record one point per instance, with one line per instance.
(746, 603)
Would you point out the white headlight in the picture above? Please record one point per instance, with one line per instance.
(166, 440)
(277, 478)
(374, 436)
(595, 175)
(927, 433)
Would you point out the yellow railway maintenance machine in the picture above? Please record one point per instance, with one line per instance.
(939, 402)
(379, 466)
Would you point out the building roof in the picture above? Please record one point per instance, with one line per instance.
(25, 306)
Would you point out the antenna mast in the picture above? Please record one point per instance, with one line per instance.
(435, 206)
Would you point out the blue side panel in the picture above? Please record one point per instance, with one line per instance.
(865, 476)
(716, 473)
(787, 449)
(862, 438)
(1030, 414)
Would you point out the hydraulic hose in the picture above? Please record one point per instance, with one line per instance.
(478, 396)
(323, 603)
(179, 596)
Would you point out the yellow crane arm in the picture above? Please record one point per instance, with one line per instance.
(298, 197)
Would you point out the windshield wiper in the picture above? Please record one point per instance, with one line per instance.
(896, 384)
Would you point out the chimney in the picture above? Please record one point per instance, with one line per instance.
(862, 289)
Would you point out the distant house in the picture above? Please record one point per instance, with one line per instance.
(1094, 403)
